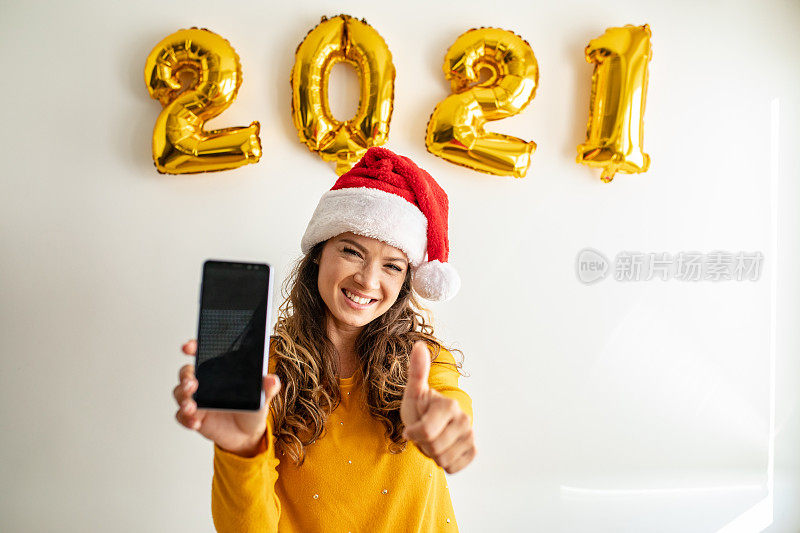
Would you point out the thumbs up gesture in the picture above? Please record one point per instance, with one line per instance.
(435, 423)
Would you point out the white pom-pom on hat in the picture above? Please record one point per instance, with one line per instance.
(436, 281)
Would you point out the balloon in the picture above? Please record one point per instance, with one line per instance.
(180, 146)
(342, 38)
(619, 88)
(455, 129)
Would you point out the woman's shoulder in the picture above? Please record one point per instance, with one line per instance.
(440, 353)
(444, 372)
(443, 362)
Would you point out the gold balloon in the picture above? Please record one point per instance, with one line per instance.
(180, 146)
(619, 89)
(455, 129)
(342, 38)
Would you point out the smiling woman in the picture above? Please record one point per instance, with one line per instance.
(362, 374)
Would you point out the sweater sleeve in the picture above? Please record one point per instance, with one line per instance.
(443, 378)
(243, 496)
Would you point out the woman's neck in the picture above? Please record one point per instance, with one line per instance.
(344, 339)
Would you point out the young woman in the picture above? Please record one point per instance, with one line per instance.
(355, 374)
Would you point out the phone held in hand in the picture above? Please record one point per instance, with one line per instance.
(232, 339)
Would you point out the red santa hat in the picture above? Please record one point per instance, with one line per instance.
(387, 197)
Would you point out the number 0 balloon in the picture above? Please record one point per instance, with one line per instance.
(180, 146)
(619, 88)
(342, 38)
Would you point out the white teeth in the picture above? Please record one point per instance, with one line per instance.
(356, 299)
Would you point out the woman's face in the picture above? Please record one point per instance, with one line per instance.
(353, 265)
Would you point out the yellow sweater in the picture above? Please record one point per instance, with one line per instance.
(349, 481)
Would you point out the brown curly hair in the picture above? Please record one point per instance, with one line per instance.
(307, 363)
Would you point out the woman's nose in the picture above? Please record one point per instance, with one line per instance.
(368, 276)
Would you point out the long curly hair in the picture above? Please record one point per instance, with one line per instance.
(307, 362)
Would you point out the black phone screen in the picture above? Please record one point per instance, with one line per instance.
(235, 299)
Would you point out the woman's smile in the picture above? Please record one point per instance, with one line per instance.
(348, 296)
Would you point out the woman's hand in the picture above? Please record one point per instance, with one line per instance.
(436, 424)
(236, 432)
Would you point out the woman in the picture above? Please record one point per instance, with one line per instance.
(329, 451)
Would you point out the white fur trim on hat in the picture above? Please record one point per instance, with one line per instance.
(436, 281)
(372, 213)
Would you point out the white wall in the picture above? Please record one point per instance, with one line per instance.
(592, 402)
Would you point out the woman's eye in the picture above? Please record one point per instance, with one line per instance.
(351, 251)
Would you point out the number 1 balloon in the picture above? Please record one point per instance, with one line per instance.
(619, 88)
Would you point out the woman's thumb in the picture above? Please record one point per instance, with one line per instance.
(272, 384)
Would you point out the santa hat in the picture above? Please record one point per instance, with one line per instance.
(387, 197)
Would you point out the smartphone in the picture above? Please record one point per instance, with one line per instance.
(232, 339)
